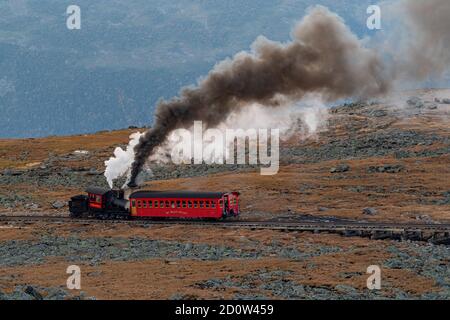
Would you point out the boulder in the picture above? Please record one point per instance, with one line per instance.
(370, 211)
(94, 172)
(340, 168)
(415, 102)
(12, 172)
(58, 204)
(386, 169)
(32, 206)
(33, 292)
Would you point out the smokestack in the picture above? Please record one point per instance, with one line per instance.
(324, 57)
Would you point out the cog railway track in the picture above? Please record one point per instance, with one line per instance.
(434, 233)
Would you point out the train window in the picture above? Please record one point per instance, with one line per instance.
(234, 201)
(178, 204)
(150, 203)
(201, 204)
(133, 203)
(213, 204)
(184, 204)
(195, 204)
(167, 204)
(189, 204)
(161, 204)
(98, 199)
(144, 204)
(220, 203)
(173, 204)
(155, 204)
(139, 204)
(206, 204)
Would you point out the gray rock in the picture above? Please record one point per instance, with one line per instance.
(58, 204)
(33, 292)
(340, 168)
(345, 289)
(415, 102)
(445, 101)
(386, 169)
(379, 113)
(12, 172)
(424, 217)
(370, 211)
(94, 172)
(32, 206)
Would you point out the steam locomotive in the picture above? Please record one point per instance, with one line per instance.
(104, 203)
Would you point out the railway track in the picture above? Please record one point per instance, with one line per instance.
(435, 233)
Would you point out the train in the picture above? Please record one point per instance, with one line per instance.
(103, 203)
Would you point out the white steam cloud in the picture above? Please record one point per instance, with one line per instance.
(119, 164)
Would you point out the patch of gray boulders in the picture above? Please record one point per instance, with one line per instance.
(96, 250)
(263, 284)
(393, 142)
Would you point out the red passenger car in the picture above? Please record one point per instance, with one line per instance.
(184, 204)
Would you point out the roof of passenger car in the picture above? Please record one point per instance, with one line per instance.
(176, 194)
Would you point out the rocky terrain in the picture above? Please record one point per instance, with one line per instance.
(193, 262)
(379, 161)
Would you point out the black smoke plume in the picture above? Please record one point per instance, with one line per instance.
(324, 57)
